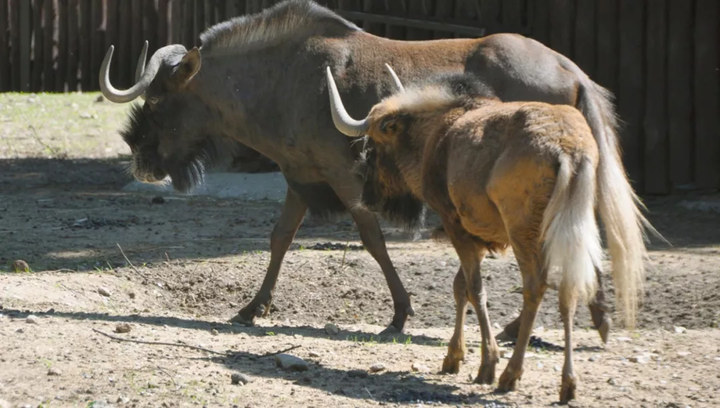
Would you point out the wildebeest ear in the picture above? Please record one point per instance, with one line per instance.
(188, 67)
(391, 124)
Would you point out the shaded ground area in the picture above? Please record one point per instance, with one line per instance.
(197, 260)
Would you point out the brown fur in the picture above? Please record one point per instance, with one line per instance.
(520, 174)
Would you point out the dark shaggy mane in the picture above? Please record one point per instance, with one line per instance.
(402, 209)
(270, 26)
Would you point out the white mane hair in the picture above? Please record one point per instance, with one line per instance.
(285, 20)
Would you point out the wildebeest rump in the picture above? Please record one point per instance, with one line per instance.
(260, 80)
(520, 174)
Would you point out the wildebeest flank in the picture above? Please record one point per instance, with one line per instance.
(259, 80)
(520, 174)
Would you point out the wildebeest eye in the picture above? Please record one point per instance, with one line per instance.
(153, 100)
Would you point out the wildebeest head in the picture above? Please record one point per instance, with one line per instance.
(169, 134)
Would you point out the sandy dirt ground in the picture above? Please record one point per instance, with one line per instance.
(197, 260)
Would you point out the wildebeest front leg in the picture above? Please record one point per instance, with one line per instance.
(280, 239)
(456, 346)
(471, 255)
(598, 312)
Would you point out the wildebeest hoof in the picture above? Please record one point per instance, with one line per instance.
(504, 336)
(508, 381)
(409, 311)
(390, 330)
(260, 311)
(486, 374)
(240, 319)
(604, 330)
(567, 391)
(451, 365)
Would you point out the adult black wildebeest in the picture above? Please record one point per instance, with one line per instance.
(260, 80)
(499, 174)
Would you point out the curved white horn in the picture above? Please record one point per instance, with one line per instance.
(148, 74)
(343, 122)
(396, 81)
(140, 68)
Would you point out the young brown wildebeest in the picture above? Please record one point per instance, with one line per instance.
(519, 174)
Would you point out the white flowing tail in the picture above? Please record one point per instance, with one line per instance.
(572, 239)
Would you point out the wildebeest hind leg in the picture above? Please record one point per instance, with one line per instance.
(280, 239)
(598, 312)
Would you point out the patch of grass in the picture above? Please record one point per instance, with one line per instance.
(60, 126)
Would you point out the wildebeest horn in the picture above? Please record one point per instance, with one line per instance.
(147, 73)
(140, 68)
(343, 122)
(396, 81)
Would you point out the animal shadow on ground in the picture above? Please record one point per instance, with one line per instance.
(257, 331)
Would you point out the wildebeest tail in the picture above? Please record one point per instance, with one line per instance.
(620, 208)
(571, 236)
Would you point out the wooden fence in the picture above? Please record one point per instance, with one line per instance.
(659, 57)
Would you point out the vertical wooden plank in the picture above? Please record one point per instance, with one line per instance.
(655, 120)
(150, 26)
(85, 43)
(221, 11)
(375, 7)
(540, 30)
(189, 24)
(512, 14)
(136, 35)
(97, 43)
(679, 98)
(14, 11)
(396, 8)
(73, 45)
(112, 37)
(490, 14)
(62, 56)
(123, 47)
(4, 48)
(163, 34)
(443, 10)
(199, 21)
(707, 88)
(48, 28)
(210, 13)
(234, 9)
(562, 14)
(608, 44)
(176, 20)
(24, 43)
(38, 51)
(631, 93)
(584, 52)
(417, 9)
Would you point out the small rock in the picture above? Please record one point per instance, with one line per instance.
(86, 115)
(420, 368)
(623, 339)
(132, 295)
(214, 332)
(612, 381)
(357, 374)
(290, 362)
(100, 99)
(683, 353)
(496, 325)
(314, 354)
(158, 200)
(53, 371)
(32, 319)
(104, 292)
(123, 328)
(594, 358)
(377, 367)
(504, 353)
(238, 378)
(331, 329)
(639, 359)
(679, 329)
(19, 331)
(20, 266)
